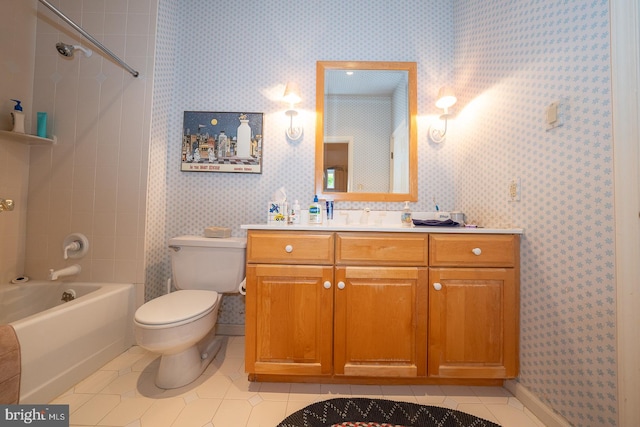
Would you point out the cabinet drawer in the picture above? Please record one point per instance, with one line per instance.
(290, 247)
(457, 250)
(376, 249)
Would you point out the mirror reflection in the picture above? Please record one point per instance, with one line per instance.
(365, 135)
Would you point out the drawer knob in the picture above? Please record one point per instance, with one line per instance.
(327, 285)
(288, 249)
(437, 286)
(476, 251)
(341, 285)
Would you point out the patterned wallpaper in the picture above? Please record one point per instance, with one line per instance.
(513, 58)
(238, 57)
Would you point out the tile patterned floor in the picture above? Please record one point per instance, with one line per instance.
(123, 393)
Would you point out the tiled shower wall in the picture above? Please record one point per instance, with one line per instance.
(511, 60)
(93, 181)
(18, 29)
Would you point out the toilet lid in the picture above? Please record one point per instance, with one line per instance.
(176, 307)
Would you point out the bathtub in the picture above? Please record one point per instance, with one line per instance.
(62, 343)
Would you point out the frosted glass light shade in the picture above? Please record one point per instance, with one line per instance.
(446, 98)
(292, 93)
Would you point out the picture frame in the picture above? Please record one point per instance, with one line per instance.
(222, 142)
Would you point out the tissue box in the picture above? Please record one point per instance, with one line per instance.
(277, 213)
(219, 232)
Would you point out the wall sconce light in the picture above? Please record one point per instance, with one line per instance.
(292, 96)
(446, 98)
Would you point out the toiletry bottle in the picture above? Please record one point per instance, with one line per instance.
(295, 213)
(405, 216)
(315, 213)
(18, 117)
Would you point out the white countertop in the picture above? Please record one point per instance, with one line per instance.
(381, 228)
(377, 221)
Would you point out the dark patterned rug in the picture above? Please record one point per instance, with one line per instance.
(361, 412)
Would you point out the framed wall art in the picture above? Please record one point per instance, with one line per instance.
(222, 142)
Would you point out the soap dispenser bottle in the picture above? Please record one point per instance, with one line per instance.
(405, 216)
(315, 213)
(295, 213)
(18, 117)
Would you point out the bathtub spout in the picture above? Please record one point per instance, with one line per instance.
(67, 271)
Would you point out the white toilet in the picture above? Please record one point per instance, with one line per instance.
(181, 325)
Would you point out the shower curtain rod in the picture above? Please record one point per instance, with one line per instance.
(90, 38)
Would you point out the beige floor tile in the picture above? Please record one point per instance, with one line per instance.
(198, 413)
(535, 419)
(402, 393)
(95, 382)
(449, 402)
(242, 388)
(362, 390)
(479, 410)
(492, 394)
(125, 360)
(461, 394)
(330, 391)
(149, 362)
(163, 412)
(227, 366)
(275, 391)
(126, 412)
(305, 392)
(232, 413)
(146, 386)
(215, 387)
(428, 394)
(126, 383)
(267, 414)
(235, 347)
(508, 416)
(124, 394)
(74, 400)
(94, 409)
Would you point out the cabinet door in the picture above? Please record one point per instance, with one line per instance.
(289, 319)
(473, 323)
(380, 321)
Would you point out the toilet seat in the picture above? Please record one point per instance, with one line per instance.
(176, 308)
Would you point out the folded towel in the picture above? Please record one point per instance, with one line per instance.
(9, 366)
(435, 223)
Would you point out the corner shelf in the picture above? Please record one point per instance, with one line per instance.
(26, 138)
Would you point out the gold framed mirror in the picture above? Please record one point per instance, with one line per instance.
(366, 131)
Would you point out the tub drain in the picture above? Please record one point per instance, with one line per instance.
(68, 295)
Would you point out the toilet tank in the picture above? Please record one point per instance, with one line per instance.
(208, 263)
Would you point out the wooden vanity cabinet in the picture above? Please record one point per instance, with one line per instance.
(380, 322)
(360, 312)
(473, 306)
(415, 307)
(289, 311)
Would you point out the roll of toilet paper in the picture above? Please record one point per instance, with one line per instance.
(242, 287)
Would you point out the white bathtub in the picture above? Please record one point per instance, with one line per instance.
(63, 343)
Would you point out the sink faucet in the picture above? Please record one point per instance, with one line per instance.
(67, 271)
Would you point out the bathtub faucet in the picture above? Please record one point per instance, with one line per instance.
(67, 271)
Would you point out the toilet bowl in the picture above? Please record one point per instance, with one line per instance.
(181, 325)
